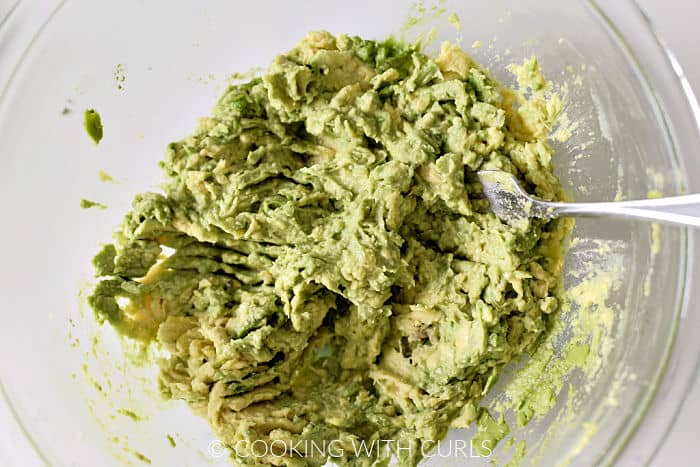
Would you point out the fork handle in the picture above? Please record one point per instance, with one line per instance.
(683, 210)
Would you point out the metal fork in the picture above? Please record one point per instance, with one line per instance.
(510, 202)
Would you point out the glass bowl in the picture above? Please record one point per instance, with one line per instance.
(151, 68)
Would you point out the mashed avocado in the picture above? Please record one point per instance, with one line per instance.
(320, 268)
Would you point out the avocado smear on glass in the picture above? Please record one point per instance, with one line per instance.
(331, 274)
(93, 125)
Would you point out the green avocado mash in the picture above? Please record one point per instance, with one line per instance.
(320, 269)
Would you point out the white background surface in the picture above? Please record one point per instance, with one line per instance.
(678, 22)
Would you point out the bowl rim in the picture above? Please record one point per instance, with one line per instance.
(673, 352)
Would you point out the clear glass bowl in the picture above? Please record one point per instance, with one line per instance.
(638, 129)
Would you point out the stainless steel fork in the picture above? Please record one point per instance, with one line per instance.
(510, 202)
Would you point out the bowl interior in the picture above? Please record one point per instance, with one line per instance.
(151, 75)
